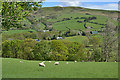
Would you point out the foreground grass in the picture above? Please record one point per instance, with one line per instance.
(12, 68)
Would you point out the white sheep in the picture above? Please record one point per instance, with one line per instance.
(56, 63)
(21, 61)
(42, 64)
(49, 61)
(75, 61)
(66, 62)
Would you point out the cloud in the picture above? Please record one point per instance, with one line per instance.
(82, 0)
(71, 3)
(111, 6)
(93, 5)
(64, 3)
(60, 5)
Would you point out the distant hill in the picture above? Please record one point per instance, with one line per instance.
(74, 18)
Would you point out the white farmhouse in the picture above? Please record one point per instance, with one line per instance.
(59, 38)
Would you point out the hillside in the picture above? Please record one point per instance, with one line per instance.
(70, 18)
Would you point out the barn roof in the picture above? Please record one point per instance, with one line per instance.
(94, 32)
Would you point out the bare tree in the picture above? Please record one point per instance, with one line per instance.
(110, 41)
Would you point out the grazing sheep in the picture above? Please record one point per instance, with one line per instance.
(21, 61)
(66, 62)
(49, 61)
(75, 61)
(42, 64)
(56, 63)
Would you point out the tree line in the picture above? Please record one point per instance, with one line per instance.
(56, 50)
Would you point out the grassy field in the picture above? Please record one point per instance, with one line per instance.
(79, 39)
(72, 24)
(12, 68)
(16, 31)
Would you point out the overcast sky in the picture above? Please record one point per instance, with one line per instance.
(93, 4)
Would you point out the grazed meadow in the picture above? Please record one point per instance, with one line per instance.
(12, 68)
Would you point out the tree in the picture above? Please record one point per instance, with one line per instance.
(110, 41)
(12, 48)
(41, 50)
(27, 49)
(59, 50)
(95, 53)
(14, 12)
(76, 51)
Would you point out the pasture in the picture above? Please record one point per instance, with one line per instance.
(12, 68)
(72, 24)
(17, 31)
(80, 39)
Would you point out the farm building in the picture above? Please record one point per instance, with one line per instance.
(36, 40)
(89, 27)
(94, 32)
(59, 38)
(45, 30)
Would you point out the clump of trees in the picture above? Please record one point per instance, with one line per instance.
(110, 46)
(30, 49)
(62, 50)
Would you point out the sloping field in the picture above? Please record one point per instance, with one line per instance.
(12, 68)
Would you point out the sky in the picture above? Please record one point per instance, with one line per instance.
(92, 4)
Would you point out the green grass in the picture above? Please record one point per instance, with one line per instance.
(100, 21)
(12, 68)
(42, 26)
(79, 39)
(16, 31)
(94, 25)
(73, 15)
(72, 24)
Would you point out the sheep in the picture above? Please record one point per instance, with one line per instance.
(75, 61)
(42, 64)
(21, 61)
(66, 62)
(56, 63)
(49, 61)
